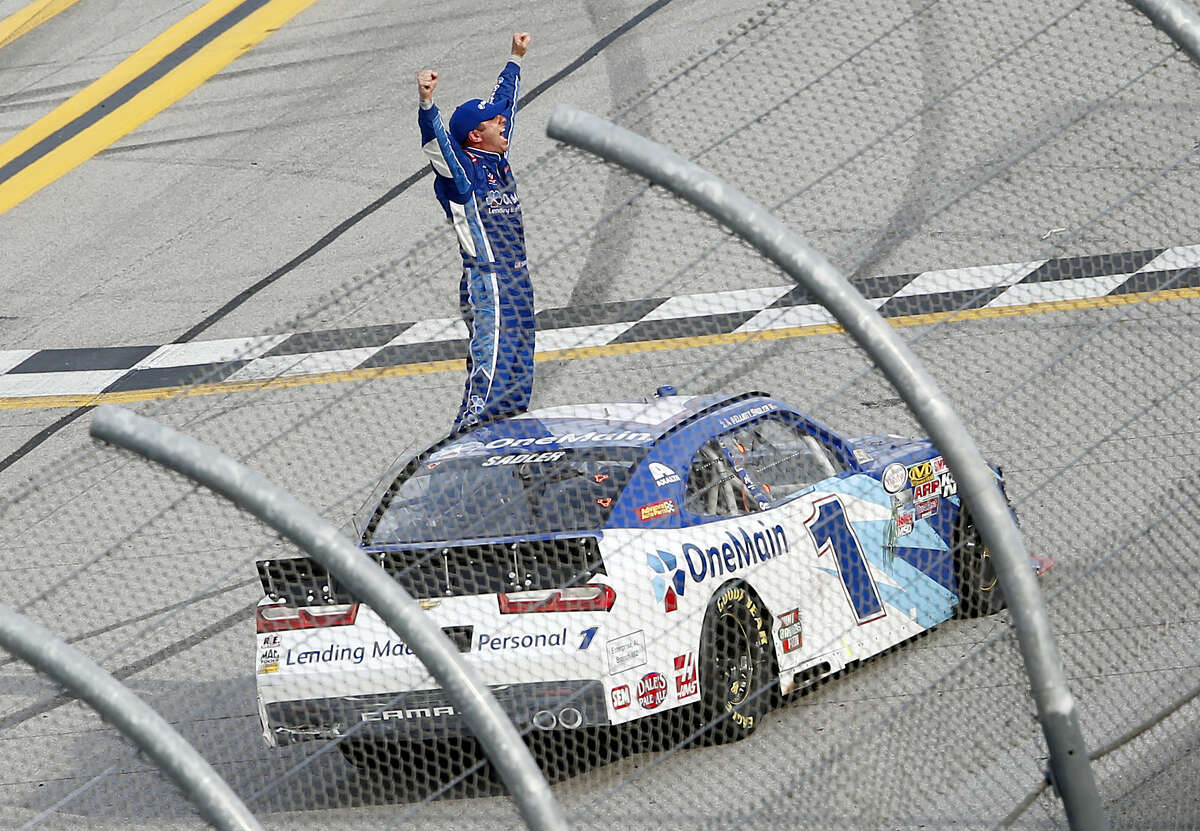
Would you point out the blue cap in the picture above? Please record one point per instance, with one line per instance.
(470, 115)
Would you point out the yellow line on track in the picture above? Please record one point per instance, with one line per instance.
(609, 350)
(29, 18)
(162, 93)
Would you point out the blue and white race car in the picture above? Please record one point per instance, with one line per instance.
(597, 564)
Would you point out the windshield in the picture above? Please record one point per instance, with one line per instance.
(478, 497)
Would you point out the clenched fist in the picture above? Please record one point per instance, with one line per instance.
(427, 82)
(520, 44)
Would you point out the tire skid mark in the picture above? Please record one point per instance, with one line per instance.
(169, 651)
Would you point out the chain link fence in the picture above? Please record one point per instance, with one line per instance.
(1011, 184)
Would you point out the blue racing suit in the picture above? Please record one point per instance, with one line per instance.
(477, 191)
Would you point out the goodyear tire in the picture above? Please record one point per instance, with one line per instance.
(736, 665)
(979, 589)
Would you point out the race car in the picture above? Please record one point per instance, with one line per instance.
(598, 564)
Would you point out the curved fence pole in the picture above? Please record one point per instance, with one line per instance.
(1177, 19)
(117, 705)
(367, 581)
(1069, 764)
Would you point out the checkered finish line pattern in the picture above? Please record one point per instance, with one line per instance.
(137, 372)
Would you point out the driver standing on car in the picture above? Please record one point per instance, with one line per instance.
(475, 187)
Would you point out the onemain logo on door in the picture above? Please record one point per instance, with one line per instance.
(742, 548)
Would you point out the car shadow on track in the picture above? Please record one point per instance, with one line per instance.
(458, 769)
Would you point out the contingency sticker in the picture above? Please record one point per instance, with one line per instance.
(626, 652)
(268, 654)
(687, 681)
(895, 478)
(652, 690)
(657, 510)
(791, 632)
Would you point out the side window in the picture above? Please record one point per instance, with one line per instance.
(714, 487)
(782, 458)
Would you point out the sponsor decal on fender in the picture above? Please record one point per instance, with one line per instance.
(620, 697)
(920, 473)
(657, 510)
(949, 486)
(652, 690)
(687, 681)
(927, 489)
(791, 631)
(895, 478)
(905, 521)
(927, 508)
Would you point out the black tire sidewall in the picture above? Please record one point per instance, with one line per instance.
(735, 609)
(979, 589)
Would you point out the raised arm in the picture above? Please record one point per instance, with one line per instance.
(439, 148)
(508, 85)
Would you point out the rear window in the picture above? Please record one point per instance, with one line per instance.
(504, 494)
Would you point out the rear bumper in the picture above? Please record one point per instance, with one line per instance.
(430, 714)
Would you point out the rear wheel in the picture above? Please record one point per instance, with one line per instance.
(736, 665)
(978, 587)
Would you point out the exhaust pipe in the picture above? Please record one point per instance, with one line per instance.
(570, 718)
(544, 720)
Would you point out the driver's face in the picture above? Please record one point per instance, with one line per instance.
(491, 135)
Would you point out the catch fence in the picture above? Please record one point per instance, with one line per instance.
(1012, 185)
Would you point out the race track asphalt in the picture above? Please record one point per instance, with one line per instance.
(899, 137)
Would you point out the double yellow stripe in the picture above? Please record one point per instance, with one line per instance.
(609, 350)
(30, 17)
(162, 93)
